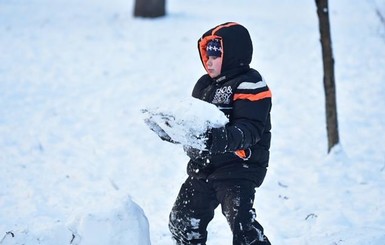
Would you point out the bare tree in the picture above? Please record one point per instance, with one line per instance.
(150, 8)
(381, 16)
(380, 11)
(328, 69)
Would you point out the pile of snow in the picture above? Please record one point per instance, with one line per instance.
(108, 223)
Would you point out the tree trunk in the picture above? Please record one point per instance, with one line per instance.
(150, 8)
(328, 69)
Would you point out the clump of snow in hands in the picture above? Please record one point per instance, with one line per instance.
(186, 120)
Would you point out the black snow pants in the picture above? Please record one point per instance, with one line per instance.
(195, 205)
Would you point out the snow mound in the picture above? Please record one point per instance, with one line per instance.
(124, 223)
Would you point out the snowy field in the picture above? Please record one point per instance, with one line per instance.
(79, 166)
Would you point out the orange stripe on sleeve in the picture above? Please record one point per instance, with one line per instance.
(253, 97)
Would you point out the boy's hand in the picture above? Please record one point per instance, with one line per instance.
(195, 154)
(216, 142)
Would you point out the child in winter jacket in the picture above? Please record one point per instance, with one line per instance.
(237, 155)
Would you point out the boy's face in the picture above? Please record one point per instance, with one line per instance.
(214, 65)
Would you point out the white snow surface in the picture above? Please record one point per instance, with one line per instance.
(78, 165)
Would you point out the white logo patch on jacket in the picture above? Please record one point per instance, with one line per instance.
(222, 95)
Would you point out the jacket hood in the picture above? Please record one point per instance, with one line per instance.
(237, 48)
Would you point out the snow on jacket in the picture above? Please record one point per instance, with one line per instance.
(241, 148)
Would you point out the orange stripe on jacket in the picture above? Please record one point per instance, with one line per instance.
(253, 97)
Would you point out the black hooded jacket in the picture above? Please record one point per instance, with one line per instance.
(241, 148)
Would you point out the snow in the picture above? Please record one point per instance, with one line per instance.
(79, 164)
(185, 121)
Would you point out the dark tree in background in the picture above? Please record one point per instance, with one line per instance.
(150, 8)
(380, 13)
(381, 16)
(328, 69)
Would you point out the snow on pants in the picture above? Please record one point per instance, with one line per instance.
(195, 205)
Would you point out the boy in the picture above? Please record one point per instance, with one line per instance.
(237, 155)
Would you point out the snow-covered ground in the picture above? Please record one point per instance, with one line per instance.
(78, 165)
